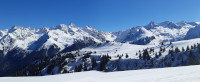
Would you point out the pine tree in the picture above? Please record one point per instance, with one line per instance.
(164, 49)
(162, 43)
(192, 47)
(103, 62)
(136, 54)
(139, 52)
(170, 43)
(156, 55)
(195, 46)
(177, 50)
(146, 55)
(151, 49)
(120, 57)
(171, 51)
(172, 47)
(183, 49)
(140, 56)
(187, 49)
(94, 63)
(127, 56)
(161, 49)
(160, 53)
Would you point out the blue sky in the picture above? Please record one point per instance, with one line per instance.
(105, 15)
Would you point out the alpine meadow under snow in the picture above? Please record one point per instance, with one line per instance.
(68, 49)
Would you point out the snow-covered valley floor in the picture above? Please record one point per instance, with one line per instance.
(173, 74)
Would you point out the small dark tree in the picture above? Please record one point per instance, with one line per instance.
(94, 63)
(162, 43)
(120, 57)
(127, 56)
(139, 52)
(171, 51)
(156, 55)
(146, 55)
(195, 46)
(164, 49)
(140, 56)
(151, 49)
(160, 53)
(170, 43)
(161, 49)
(136, 54)
(177, 50)
(183, 49)
(192, 47)
(187, 49)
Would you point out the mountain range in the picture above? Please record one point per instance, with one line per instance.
(63, 36)
(19, 45)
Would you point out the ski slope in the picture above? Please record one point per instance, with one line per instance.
(173, 74)
(115, 48)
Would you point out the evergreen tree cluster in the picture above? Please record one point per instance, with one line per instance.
(104, 61)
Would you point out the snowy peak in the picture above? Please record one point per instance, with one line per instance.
(95, 33)
(14, 28)
(169, 24)
(164, 31)
(136, 35)
(71, 25)
(90, 28)
(151, 25)
(70, 28)
(182, 23)
(61, 27)
(19, 32)
(41, 30)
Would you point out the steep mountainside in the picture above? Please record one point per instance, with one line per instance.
(193, 33)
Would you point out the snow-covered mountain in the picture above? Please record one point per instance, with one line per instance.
(155, 33)
(62, 36)
(134, 35)
(43, 38)
(20, 44)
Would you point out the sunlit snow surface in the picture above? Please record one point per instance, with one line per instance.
(114, 48)
(174, 74)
